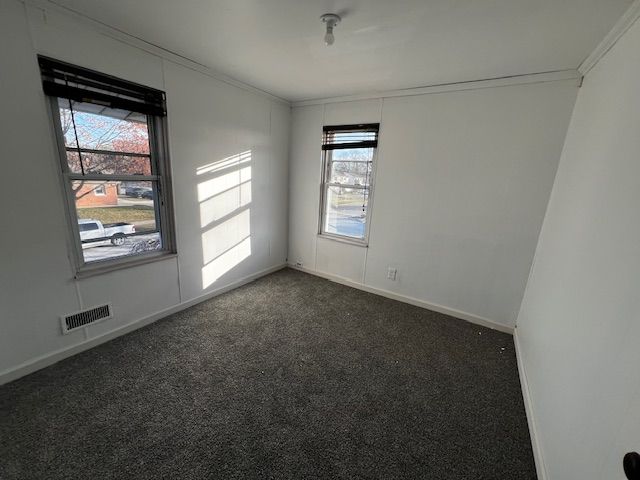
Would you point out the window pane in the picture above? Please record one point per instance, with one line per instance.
(351, 173)
(108, 164)
(346, 211)
(352, 155)
(116, 219)
(102, 128)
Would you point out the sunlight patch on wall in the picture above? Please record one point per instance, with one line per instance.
(224, 194)
(225, 262)
(245, 193)
(224, 203)
(219, 184)
(225, 235)
(233, 160)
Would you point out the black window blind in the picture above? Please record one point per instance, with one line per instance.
(60, 79)
(350, 136)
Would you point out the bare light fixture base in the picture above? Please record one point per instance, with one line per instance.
(331, 20)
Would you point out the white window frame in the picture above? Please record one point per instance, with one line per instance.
(327, 159)
(100, 191)
(163, 203)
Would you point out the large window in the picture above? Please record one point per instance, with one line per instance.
(111, 139)
(349, 152)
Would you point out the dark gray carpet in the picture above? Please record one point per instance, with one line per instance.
(290, 376)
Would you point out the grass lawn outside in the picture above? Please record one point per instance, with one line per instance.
(140, 215)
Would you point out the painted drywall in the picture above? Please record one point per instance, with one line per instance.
(579, 324)
(461, 186)
(211, 127)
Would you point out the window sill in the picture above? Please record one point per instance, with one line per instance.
(93, 270)
(347, 240)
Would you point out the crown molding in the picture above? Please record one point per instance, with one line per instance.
(153, 49)
(619, 29)
(543, 77)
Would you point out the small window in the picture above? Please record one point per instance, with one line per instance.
(111, 138)
(348, 154)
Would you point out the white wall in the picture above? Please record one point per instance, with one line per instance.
(579, 325)
(462, 183)
(208, 121)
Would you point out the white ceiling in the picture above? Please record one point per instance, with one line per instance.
(277, 45)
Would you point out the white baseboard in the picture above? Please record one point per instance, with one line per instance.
(53, 357)
(469, 317)
(528, 406)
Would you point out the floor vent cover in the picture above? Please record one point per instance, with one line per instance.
(80, 319)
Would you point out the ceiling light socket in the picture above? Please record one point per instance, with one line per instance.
(330, 20)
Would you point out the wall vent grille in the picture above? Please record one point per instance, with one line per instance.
(77, 320)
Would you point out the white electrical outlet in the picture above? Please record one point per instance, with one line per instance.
(392, 273)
